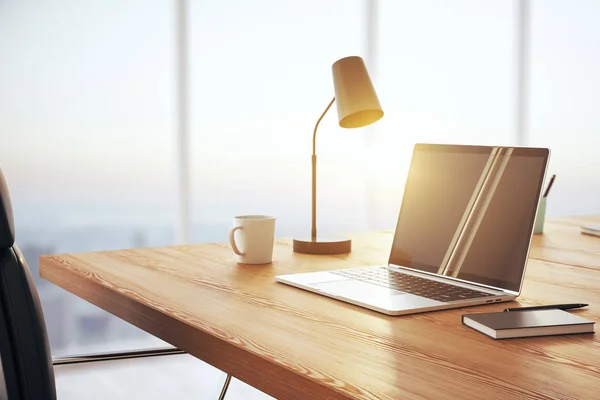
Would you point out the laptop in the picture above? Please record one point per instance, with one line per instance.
(462, 238)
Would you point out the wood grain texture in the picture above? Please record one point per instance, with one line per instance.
(293, 344)
(562, 242)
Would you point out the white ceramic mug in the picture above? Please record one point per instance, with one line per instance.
(253, 243)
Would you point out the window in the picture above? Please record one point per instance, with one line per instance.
(444, 75)
(260, 78)
(564, 93)
(86, 129)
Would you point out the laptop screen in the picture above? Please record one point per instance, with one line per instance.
(468, 212)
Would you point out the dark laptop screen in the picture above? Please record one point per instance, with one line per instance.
(468, 212)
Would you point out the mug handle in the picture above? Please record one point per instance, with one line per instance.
(236, 250)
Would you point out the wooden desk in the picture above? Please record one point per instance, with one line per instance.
(294, 344)
(562, 242)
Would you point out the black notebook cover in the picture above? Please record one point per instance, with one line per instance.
(503, 325)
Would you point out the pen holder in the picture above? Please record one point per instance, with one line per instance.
(540, 216)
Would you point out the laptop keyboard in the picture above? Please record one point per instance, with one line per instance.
(412, 284)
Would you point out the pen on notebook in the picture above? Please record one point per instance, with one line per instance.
(548, 307)
(549, 186)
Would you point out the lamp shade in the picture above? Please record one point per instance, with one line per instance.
(357, 102)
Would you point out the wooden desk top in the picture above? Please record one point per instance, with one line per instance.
(562, 242)
(293, 344)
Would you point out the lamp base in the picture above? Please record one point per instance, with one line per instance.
(323, 246)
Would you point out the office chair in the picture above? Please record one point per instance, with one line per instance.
(26, 366)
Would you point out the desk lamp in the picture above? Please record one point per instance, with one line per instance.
(357, 106)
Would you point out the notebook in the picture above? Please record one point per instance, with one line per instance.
(591, 230)
(505, 325)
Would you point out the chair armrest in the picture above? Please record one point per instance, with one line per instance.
(111, 356)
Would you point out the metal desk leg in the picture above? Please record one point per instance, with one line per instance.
(225, 387)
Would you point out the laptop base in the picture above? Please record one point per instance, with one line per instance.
(374, 297)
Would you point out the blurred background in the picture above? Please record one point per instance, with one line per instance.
(91, 134)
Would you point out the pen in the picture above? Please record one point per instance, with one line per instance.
(549, 186)
(549, 307)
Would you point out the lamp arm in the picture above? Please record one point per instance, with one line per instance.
(314, 153)
(313, 234)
